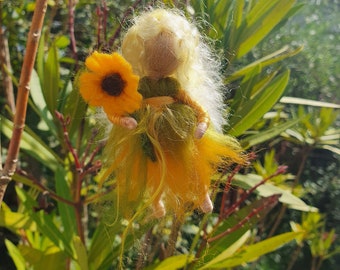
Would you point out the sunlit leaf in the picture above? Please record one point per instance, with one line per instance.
(16, 256)
(174, 262)
(39, 104)
(230, 251)
(308, 102)
(267, 60)
(267, 189)
(49, 229)
(260, 21)
(52, 257)
(15, 221)
(252, 252)
(81, 253)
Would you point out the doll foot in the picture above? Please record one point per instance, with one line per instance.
(200, 130)
(207, 206)
(128, 122)
(159, 209)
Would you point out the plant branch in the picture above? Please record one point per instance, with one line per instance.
(78, 176)
(39, 186)
(245, 195)
(272, 200)
(71, 9)
(6, 67)
(23, 94)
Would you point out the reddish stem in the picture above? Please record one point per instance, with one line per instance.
(227, 188)
(271, 200)
(245, 195)
(99, 26)
(71, 9)
(64, 123)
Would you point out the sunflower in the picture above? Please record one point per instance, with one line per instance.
(109, 82)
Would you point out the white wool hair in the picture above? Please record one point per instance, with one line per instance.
(198, 71)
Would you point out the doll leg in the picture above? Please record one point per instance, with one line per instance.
(206, 206)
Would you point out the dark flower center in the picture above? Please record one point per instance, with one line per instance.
(113, 84)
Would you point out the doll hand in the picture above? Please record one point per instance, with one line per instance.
(207, 206)
(128, 122)
(159, 209)
(200, 130)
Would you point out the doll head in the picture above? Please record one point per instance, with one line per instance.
(164, 43)
(160, 55)
(160, 42)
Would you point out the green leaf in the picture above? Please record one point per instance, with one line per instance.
(230, 251)
(260, 21)
(62, 42)
(66, 211)
(30, 142)
(256, 107)
(243, 94)
(268, 60)
(15, 221)
(174, 262)
(81, 253)
(223, 243)
(39, 105)
(100, 254)
(51, 79)
(41, 57)
(252, 252)
(267, 189)
(49, 229)
(16, 256)
(50, 256)
(75, 108)
(268, 134)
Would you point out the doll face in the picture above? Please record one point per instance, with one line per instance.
(160, 55)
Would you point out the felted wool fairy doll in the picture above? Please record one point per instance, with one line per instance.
(165, 144)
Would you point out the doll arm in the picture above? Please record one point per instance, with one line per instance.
(124, 121)
(202, 116)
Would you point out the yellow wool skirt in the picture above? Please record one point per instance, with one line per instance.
(161, 159)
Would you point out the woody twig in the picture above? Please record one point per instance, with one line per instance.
(22, 97)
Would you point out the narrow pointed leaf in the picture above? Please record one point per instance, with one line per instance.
(16, 256)
(252, 252)
(255, 108)
(268, 134)
(81, 253)
(267, 189)
(66, 212)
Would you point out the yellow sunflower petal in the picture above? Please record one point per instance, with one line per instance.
(89, 87)
(101, 66)
(132, 86)
(114, 109)
(118, 63)
(99, 63)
